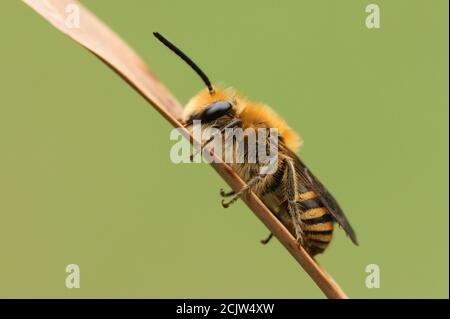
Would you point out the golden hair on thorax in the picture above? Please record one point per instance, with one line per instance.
(252, 114)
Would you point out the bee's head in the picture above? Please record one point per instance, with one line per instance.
(211, 103)
(209, 107)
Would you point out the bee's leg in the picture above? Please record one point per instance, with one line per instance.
(292, 192)
(224, 194)
(266, 241)
(230, 124)
(250, 184)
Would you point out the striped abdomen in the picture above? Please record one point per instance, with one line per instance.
(318, 222)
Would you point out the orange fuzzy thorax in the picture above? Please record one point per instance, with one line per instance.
(252, 114)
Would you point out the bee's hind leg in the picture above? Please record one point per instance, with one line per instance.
(292, 192)
(250, 184)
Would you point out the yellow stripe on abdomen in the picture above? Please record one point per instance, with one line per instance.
(313, 213)
(319, 227)
(306, 196)
(319, 236)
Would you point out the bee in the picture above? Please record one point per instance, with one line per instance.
(292, 192)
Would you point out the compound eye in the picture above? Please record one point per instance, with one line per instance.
(215, 110)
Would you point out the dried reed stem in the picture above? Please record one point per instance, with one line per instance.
(106, 45)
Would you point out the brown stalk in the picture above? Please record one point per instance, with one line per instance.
(95, 36)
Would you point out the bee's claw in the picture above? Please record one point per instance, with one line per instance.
(231, 201)
(224, 194)
(225, 205)
(266, 240)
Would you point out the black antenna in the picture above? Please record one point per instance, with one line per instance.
(186, 59)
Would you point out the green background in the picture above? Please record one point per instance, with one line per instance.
(85, 175)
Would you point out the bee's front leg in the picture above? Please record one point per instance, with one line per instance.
(231, 124)
(254, 181)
